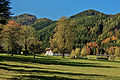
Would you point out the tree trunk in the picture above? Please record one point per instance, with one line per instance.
(12, 52)
(19, 52)
(63, 55)
(34, 55)
(26, 52)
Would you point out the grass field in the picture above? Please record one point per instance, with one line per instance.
(21, 67)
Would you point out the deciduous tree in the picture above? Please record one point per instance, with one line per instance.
(63, 39)
(34, 46)
(27, 33)
(85, 51)
(10, 36)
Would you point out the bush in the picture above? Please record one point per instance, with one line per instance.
(114, 52)
(117, 51)
(85, 51)
(77, 52)
(111, 53)
(72, 55)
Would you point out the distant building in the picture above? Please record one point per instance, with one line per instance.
(49, 52)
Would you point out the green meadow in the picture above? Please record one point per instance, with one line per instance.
(20, 67)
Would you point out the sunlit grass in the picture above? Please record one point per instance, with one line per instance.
(20, 67)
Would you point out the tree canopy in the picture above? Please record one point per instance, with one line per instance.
(4, 10)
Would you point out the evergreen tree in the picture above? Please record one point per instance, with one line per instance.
(4, 11)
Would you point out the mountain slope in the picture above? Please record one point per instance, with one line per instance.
(25, 19)
(42, 23)
(91, 25)
(45, 34)
(89, 12)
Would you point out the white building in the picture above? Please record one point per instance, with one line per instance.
(49, 52)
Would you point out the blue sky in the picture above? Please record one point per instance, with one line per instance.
(55, 9)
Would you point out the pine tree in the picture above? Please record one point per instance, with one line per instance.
(4, 11)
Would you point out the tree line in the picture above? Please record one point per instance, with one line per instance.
(89, 32)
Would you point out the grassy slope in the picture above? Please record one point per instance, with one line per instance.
(21, 67)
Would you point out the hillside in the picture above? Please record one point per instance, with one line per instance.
(92, 26)
(41, 23)
(31, 20)
(89, 12)
(45, 34)
(25, 19)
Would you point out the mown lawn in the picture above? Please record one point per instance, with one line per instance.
(21, 67)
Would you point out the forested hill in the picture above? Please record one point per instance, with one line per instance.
(31, 20)
(25, 19)
(89, 12)
(92, 26)
(41, 23)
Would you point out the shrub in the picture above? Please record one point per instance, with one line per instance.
(111, 50)
(111, 53)
(72, 55)
(85, 51)
(77, 52)
(117, 51)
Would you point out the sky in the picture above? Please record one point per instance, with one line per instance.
(54, 9)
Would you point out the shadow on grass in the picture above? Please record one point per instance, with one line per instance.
(49, 72)
(103, 60)
(53, 78)
(36, 77)
(50, 61)
(26, 66)
(33, 77)
(47, 61)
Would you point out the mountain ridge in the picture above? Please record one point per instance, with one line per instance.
(91, 25)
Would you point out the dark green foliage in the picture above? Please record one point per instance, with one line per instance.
(45, 34)
(87, 13)
(43, 26)
(4, 11)
(25, 19)
(42, 23)
(92, 26)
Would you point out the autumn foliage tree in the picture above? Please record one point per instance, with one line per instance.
(11, 36)
(63, 39)
(114, 52)
(16, 38)
(85, 51)
(93, 46)
(111, 52)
